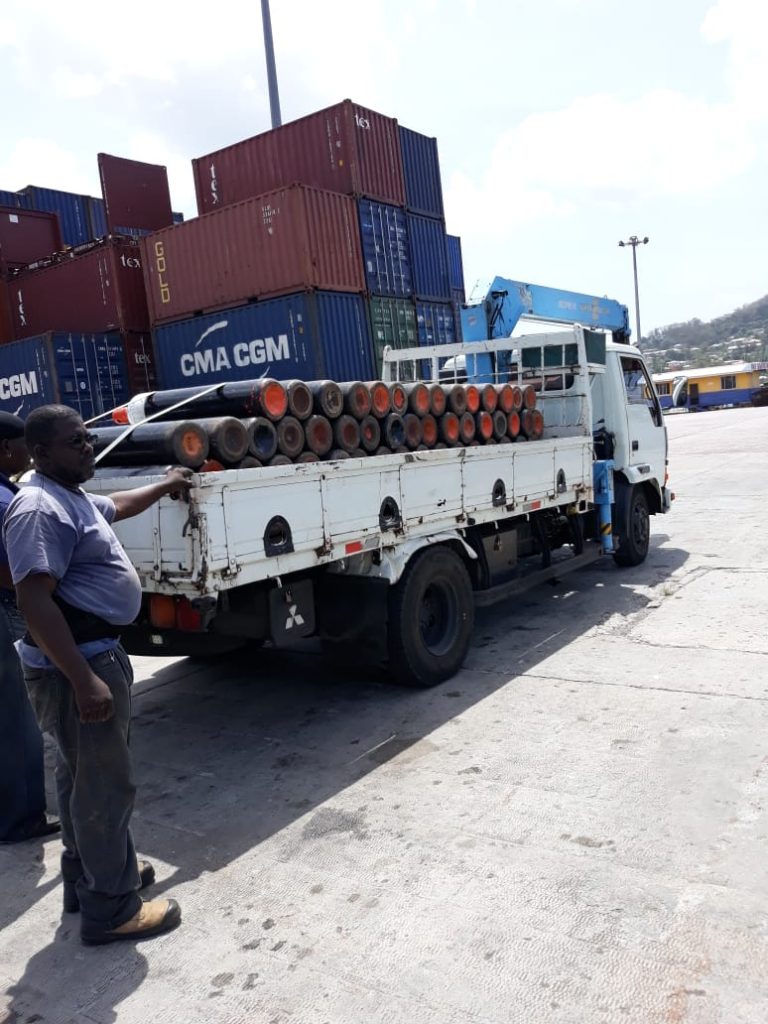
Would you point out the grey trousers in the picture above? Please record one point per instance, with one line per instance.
(95, 789)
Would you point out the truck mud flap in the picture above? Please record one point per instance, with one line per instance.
(292, 612)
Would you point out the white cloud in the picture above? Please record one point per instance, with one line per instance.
(77, 85)
(661, 143)
(35, 161)
(743, 25)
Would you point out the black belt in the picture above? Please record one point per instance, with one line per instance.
(84, 626)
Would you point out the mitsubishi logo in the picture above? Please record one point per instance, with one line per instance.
(294, 618)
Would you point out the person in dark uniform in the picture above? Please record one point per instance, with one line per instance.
(75, 588)
(22, 778)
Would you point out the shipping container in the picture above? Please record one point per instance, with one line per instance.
(72, 210)
(9, 198)
(345, 148)
(435, 323)
(457, 302)
(84, 371)
(26, 236)
(386, 253)
(286, 241)
(137, 199)
(98, 289)
(455, 267)
(393, 323)
(97, 217)
(139, 353)
(178, 218)
(6, 320)
(310, 336)
(429, 258)
(421, 173)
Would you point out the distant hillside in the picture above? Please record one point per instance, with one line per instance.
(742, 334)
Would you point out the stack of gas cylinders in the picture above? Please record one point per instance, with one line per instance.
(250, 424)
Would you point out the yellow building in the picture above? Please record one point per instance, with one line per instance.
(709, 387)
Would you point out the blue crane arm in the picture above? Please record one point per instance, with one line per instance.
(507, 301)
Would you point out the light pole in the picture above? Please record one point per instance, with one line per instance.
(634, 241)
(274, 97)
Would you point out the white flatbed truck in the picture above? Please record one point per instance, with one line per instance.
(389, 555)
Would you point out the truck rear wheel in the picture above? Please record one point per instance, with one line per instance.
(431, 614)
(633, 526)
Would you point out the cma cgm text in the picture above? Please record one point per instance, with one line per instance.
(245, 353)
(19, 385)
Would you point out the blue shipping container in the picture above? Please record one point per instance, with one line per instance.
(85, 371)
(309, 336)
(386, 254)
(455, 266)
(421, 168)
(429, 258)
(71, 208)
(97, 217)
(457, 302)
(435, 323)
(9, 198)
(178, 218)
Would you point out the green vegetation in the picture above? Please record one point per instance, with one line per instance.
(741, 335)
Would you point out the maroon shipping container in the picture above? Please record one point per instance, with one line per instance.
(345, 148)
(140, 361)
(100, 288)
(26, 236)
(287, 241)
(136, 195)
(6, 320)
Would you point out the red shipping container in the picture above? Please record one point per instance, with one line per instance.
(26, 236)
(140, 361)
(136, 195)
(6, 321)
(292, 240)
(345, 148)
(100, 288)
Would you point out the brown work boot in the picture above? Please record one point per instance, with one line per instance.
(153, 918)
(72, 901)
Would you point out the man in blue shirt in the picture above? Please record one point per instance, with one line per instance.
(22, 778)
(76, 588)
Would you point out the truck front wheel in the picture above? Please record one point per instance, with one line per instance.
(633, 526)
(431, 614)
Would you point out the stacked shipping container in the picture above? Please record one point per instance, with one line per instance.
(366, 218)
(58, 284)
(317, 244)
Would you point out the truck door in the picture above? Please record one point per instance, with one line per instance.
(647, 436)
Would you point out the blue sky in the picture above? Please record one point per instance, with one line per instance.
(563, 125)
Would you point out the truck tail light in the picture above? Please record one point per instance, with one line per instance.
(167, 612)
(162, 611)
(188, 618)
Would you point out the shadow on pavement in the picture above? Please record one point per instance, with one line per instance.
(228, 753)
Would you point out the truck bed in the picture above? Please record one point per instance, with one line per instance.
(333, 509)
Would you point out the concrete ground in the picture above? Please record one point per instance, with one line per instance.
(571, 831)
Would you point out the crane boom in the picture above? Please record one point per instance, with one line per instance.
(507, 301)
